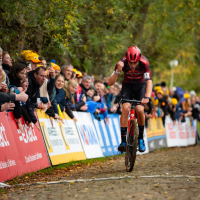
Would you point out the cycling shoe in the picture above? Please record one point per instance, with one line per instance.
(141, 144)
(122, 147)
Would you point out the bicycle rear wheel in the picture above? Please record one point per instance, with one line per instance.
(131, 146)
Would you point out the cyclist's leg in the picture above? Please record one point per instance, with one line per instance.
(126, 93)
(124, 120)
(140, 116)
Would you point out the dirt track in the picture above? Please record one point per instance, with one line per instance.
(168, 162)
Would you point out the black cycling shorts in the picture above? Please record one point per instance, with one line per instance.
(131, 92)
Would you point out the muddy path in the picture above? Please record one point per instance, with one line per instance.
(172, 173)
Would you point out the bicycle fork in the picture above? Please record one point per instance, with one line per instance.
(132, 117)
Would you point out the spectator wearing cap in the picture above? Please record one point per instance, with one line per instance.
(66, 71)
(185, 107)
(35, 78)
(33, 59)
(79, 77)
(162, 104)
(56, 68)
(172, 109)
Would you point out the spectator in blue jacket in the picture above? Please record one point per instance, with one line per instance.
(60, 98)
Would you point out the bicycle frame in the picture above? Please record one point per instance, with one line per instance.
(132, 116)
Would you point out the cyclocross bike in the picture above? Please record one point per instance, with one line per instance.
(132, 135)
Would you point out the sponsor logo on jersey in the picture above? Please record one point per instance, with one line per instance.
(143, 60)
(146, 75)
(134, 77)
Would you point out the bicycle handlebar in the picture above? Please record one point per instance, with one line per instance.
(129, 101)
(136, 102)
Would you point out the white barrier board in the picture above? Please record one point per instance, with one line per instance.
(171, 132)
(88, 135)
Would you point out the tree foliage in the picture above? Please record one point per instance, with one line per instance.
(94, 35)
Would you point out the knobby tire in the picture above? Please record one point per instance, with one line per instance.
(131, 146)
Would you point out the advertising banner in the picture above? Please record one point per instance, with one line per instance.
(103, 136)
(192, 126)
(114, 130)
(159, 134)
(150, 135)
(88, 135)
(10, 165)
(183, 133)
(171, 132)
(62, 141)
(30, 146)
(156, 134)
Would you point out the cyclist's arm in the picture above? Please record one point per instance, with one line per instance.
(149, 88)
(113, 78)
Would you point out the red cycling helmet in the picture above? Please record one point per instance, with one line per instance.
(133, 54)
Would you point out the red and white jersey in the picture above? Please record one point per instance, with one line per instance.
(141, 74)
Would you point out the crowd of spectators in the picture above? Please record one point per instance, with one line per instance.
(32, 83)
(174, 102)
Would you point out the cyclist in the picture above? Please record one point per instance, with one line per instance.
(137, 83)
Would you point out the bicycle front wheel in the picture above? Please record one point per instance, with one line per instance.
(131, 146)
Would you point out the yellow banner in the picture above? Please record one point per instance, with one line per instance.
(62, 140)
(155, 128)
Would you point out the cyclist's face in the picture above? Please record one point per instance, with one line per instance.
(132, 65)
